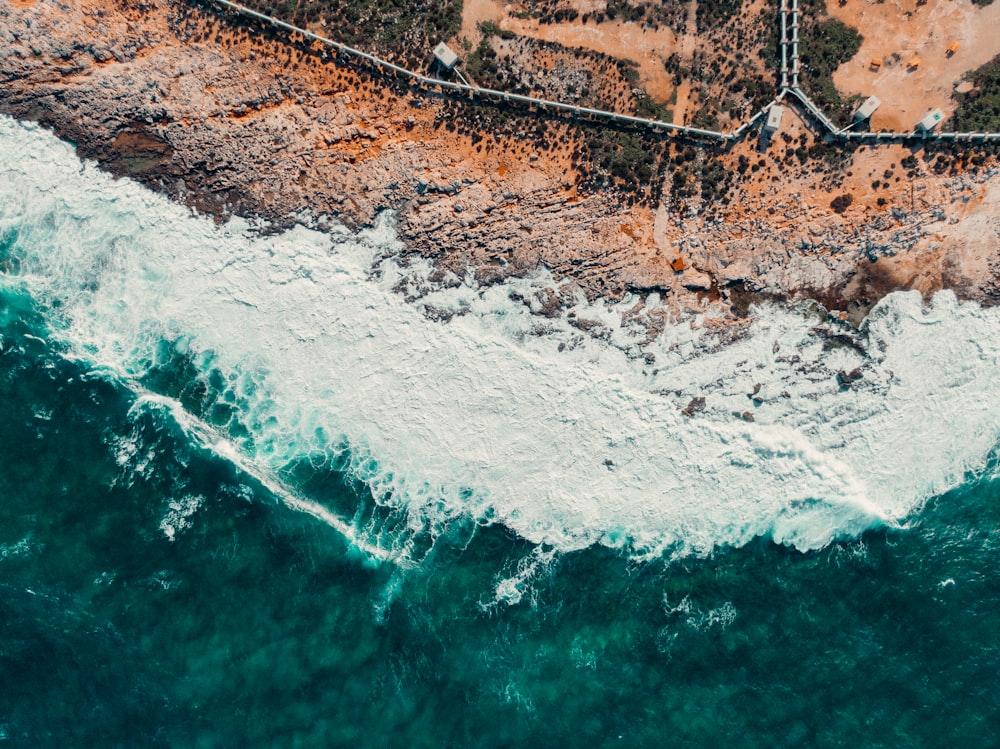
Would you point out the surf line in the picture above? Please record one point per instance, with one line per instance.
(209, 438)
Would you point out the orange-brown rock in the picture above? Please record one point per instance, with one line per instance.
(233, 122)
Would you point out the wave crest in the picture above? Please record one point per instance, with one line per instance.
(300, 349)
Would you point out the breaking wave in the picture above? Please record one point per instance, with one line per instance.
(454, 401)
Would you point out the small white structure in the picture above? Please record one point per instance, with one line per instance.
(773, 121)
(867, 109)
(445, 56)
(930, 121)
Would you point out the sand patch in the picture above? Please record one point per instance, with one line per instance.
(475, 12)
(626, 41)
(898, 31)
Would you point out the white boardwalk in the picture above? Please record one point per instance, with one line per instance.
(789, 20)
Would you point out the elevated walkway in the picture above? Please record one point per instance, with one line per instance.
(789, 20)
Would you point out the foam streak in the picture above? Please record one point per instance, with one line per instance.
(567, 439)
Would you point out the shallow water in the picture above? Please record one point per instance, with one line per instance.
(250, 495)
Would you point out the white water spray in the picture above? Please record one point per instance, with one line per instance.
(567, 439)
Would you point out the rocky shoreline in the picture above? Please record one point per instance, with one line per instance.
(236, 123)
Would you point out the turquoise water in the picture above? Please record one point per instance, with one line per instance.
(256, 626)
(201, 548)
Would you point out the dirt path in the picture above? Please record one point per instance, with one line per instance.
(898, 31)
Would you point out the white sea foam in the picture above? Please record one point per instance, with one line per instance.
(510, 589)
(567, 439)
(178, 516)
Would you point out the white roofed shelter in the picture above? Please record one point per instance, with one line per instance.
(930, 120)
(773, 118)
(445, 56)
(867, 109)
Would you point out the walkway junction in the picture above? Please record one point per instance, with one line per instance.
(789, 89)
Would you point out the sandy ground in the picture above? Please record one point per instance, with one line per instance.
(626, 41)
(898, 31)
(475, 12)
(687, 51)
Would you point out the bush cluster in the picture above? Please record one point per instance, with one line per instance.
(823, 46)
(979, 110)
(402, 31)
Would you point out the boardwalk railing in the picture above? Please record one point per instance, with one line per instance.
(815, 111)
(783, 15)
(794, 41)
(789, 18)
(473, 92)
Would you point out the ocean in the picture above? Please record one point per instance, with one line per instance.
(296, 488)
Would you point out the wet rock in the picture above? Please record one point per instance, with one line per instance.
(846, 379)
(696, 405)
(549, 303)
(437, 314)
(139, 151)
(586, 325)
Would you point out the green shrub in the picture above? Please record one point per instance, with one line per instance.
(397, 30)
(823, 46)
(979, 110)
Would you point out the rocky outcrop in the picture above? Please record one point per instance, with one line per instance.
(846, 379)
(233, 122)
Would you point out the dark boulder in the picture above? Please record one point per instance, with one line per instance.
(846, 379)
(697, 404)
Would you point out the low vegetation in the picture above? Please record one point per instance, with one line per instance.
(824, 43)
(653, 14)
(520, 65)
(624, 161)
(402, 31)
(979, 109)
(715, 13)
(735, 70)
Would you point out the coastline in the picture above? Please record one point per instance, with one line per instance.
(268, 485)
(229, 124)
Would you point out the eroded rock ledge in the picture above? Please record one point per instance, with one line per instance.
(173, 96)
